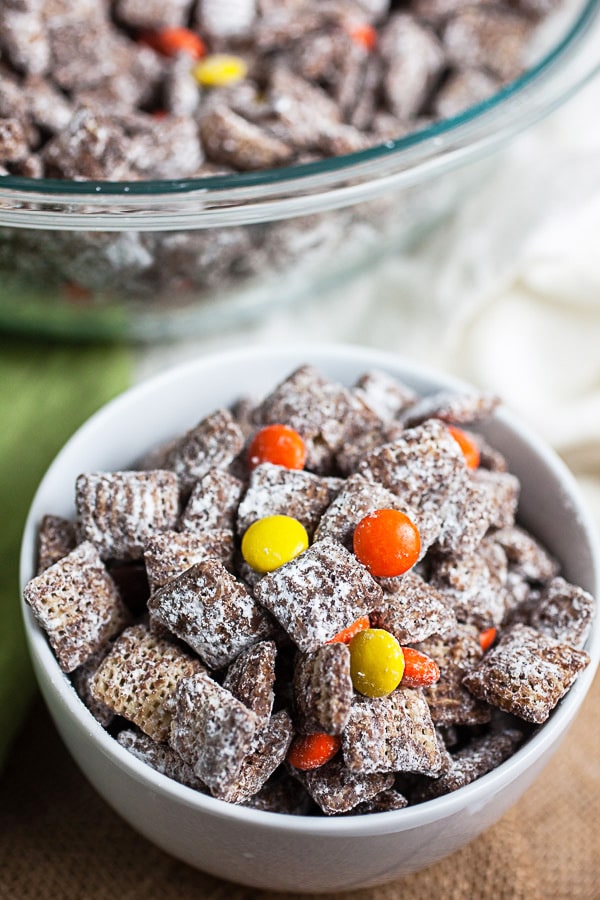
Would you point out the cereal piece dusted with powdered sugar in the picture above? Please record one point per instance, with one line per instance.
(92, 147)
(323, 689)
(153, 14)
(336, 789)
(473, 586)
(464, 87)
(391, 734)
(503, 490)
(480, 756)
(386, 801)
(23, 37)
(213, 443)
(77, 604)
(414, 60)
(564, 612)
(526, 556)
(280, 794)
(452, 408)
(161, 757)
(251, 677)
(213, 503)
(456, 653)
(469, 517)
(267, 751)
(119, 511)
(425, 469)
(412, 609)
(56, 538)
(323, 412)
(276, 490)
(225, 19)
(526, 673)
(386, 396)
(319, 593)
(232, 140)
(356, 499)
(212, 732)
(487, 38)
(138, 679)
(169, 554)
(355, 449)
(211, 611)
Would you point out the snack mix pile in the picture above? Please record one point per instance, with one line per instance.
(317, 603)
(138, 89)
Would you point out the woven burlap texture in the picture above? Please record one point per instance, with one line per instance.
(58, 840)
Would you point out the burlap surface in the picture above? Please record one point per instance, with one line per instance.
(58, 840)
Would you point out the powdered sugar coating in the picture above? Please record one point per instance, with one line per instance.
(138, 679)
(211, 611)
(452, 408)
(170, 553)
(275, 490)
(212, 732)
(321, 592)
(336, 789)
(526, 555)
(564, 612)
(474, 588)
(77, 604)
(56, 538)
(251, 677)
(385, 395)
(526, 673)
(213, 503)
(160, 756)
(120, 511)
(503, 490)
(323, 689)
(391, 734)
(267, 751)
(213, 443)
(412, 609)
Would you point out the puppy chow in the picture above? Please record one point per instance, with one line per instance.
(170, 553)
(472, 587)
(267, 751)
(526, 673)
(322, 411)
(213, 503)
(413, 61)
(281, 794)
(480, 756)
(323, 689)
(336, 789)
(251, 677)
(456, 653)
(81, 679)
(412, 609)
(56, 538)
(391, 734)
(502, 489)
(467, 520)
(160, 757)
(119, 511)
(275, 490)
(356, 499)
(385, 801)
(77, 604)
(212, 732)
(487, 38)
(384, 394)
(138, 679)
(211, 611)
(564, 612)
(360, 445)
(526, 556)
(213, 443)
(318, 594)
(452, 408)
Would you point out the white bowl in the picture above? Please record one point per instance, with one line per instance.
(269, 850)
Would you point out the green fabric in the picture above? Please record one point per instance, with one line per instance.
(46, 392)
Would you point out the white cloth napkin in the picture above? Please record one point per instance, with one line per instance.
(506, 294)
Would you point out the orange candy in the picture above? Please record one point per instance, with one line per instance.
(467, 445)
(420, 670)
(309, 751)
(487, 638)
(346, 634)
(171, 41)
(277, 444)
(363, 34)
(387, 543)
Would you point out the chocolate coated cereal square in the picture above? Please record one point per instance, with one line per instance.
(323, 689)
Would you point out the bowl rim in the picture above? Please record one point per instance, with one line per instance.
(337, 826)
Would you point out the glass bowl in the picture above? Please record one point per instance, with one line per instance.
(150, 260)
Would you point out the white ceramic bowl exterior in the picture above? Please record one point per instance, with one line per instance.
(267, 850)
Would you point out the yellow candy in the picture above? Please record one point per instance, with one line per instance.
(376, 662)
(273, 541)
(220, 69)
